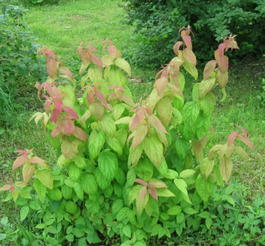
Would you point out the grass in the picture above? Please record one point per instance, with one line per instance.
(63, 27)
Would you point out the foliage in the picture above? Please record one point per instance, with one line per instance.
(20, 67)
(158, 22)
(133, 170)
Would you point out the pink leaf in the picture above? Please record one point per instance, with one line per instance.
(101, 98)
(177, 47)
(139, 116)
(79, 133)
(189, 56)
(140, 181)
(38, 161)
(185, 34)
(96, 60)
(209, 69)
(71, 114)
(156, 123)
(67, 127)
(153, 192)
(161, 85)
(19, 161)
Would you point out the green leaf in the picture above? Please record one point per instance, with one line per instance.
(190, 211)
(190, 112)
(191, 69)
(123, 214)
(165, 193)
(133, 193)
(182, 186)
(40, 189)
(55, 194)
(79, 191)
(96, 142)
(165, 115)
(88, 184)
(144, 169)
(108, 164)
(116, 206)
(206, 167)
(207, 104)
(182, 148)
(174, 210)
(80, 162)
(142, 200)
(118, 110)
(102, 182)
(135, 154)
(208, 222)
(115, 145)
(203, 187)
(74, 172)
(45, 177)
(187, 173)
(124, 65)
(108, 126)
(24, 213)
(153, 148)
(127, 231)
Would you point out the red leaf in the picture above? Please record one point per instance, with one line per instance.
(55, 115)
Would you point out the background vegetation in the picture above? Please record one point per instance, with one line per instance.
(157, 22)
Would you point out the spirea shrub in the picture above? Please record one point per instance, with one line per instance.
(125, 170)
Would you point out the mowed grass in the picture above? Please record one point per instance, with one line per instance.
(63, 27)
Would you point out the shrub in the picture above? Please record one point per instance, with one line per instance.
(158, 22)
(125, 171)
(20, 66)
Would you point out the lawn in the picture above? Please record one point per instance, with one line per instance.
(63, 27)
